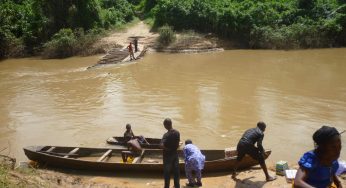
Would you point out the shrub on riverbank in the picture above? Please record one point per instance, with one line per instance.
(61, 45)
(10, 46)
(260, 24)
(4, 182)
(66, 43)
(167, 35)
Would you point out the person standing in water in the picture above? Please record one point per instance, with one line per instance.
(246, 145)
(317, 168)
(169, 144)
(132, 56)
(135, 42)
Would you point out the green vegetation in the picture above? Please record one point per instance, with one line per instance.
(33, 26)
(66, 43)
(167, 35)
(3, 177)
(69, 27)
(257, 23)
(20, 177)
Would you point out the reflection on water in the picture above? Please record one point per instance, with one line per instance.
(212, 98)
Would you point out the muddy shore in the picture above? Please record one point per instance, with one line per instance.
(30, 176)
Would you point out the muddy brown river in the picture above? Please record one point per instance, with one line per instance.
(212, 99)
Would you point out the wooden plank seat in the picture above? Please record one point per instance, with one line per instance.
(50, 149)
(71, 152)
(104, 155)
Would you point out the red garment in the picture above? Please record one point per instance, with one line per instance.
(130, 48)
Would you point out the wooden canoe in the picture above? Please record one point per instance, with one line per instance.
(106, 159)
(154, 143)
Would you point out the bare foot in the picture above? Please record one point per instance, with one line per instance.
(271, 178)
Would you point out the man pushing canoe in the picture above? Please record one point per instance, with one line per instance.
(246, 146)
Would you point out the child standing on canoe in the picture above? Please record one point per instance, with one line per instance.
(318, 167)
(194, 162)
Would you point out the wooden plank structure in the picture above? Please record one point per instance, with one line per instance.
(114, 56)
(104, 155)
(106, 159)
(117, 55)
(50, 149)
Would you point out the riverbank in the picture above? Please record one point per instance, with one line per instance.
(115, 44)
(40, 177)
(186, 41)
(32, 177)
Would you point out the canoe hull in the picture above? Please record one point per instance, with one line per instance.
(216, 164)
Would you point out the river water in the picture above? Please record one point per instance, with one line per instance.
(212, 99)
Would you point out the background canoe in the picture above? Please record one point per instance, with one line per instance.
(106, 159)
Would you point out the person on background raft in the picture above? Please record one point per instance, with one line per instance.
(169, 144)
(246, 145)
(132, 56)
(317, 168)
(128, 134)
(135, 42)
(194, 163)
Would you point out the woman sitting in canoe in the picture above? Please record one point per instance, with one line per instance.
(129, 135)
(318, 167)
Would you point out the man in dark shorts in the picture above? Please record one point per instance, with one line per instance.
(169, 144)
(246, 145)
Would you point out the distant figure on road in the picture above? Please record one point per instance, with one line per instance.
(194, 162)
(132, 56)
(135, 42)
(169, 144)
(246, 146)
(317, 168)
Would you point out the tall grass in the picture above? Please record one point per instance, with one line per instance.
(167, 35)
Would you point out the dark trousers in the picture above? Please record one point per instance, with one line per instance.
(246, 148)
(171, 162)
